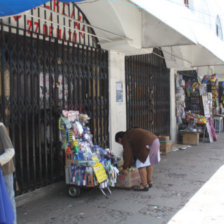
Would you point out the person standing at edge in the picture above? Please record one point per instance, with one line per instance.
(6, 164)
(141, 146)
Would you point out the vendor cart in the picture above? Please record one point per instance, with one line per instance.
(74, 187)
(86, 165)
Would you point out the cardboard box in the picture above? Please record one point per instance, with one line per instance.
(165, 147)
(129, 180)
(69, 159)
(190, 138)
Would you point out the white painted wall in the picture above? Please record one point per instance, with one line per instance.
(202, 14)
(117, 110)
(173, 122)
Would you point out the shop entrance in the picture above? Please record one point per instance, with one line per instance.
(40, 75)
(148, 93)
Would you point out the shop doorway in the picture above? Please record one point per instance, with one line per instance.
(148, 92)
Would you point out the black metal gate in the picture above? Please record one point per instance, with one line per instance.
(39, 77)
(148, 93)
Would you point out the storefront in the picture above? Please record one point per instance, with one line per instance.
(197, 107)
(49, 61)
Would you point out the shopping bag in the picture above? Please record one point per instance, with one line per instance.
(6, 211)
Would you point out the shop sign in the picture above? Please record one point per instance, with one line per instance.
(52, 20)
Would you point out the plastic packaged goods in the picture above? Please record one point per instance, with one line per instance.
(89, 165)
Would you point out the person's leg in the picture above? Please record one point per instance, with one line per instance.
(9, 185)
(154, 155)
(143, 175)
(149, 175)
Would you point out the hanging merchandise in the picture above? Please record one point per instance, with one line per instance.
(212, 129)
(196, 118)
(221, 97)
(193, 93)
(87, 165)
(180, 98)
(213, 78)
(205, 79)
(211, 82)
(192, 85)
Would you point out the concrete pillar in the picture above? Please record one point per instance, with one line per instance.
(117, 106)
(173, 122)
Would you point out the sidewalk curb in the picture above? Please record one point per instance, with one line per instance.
(39, 193)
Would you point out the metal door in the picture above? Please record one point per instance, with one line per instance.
(148, 93)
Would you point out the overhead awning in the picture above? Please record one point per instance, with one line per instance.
(165, 24)
(13, 7)
(209, 51)
(142, 24)
(185, 43)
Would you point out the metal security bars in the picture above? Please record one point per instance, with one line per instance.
(40, 75)
(147, 93)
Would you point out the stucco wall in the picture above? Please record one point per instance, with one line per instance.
(117, 110)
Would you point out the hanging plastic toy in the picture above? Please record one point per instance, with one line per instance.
(205, 79)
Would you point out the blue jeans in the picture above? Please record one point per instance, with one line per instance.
(9, 185)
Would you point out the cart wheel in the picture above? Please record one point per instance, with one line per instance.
(73, 191)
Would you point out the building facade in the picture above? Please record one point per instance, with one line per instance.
(114, 60)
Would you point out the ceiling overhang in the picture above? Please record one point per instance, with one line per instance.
(209, 51)
(138, 26)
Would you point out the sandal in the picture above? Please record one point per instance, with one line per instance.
(141, 187)
(150, 184)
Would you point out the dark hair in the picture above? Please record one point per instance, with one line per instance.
(118, 135)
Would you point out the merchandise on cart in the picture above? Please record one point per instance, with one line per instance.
(88, 165)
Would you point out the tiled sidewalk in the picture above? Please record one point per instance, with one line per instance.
(207, 205)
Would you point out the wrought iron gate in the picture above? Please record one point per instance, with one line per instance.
(40, 76)
(148, 93)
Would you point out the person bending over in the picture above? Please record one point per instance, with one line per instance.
(143, 147)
